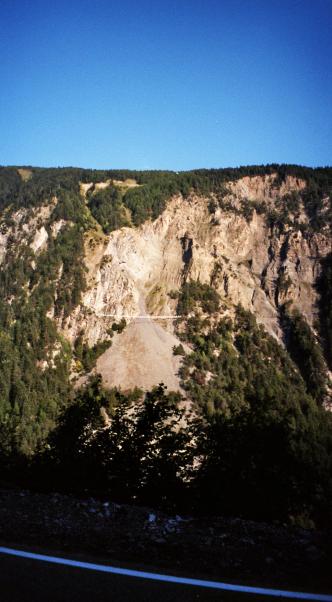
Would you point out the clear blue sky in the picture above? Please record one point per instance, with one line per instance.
(173, 84)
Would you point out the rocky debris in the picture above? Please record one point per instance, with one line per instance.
(142, 356)
(210, 547)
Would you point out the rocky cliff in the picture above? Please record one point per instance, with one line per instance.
(132, 272)
(232, 241)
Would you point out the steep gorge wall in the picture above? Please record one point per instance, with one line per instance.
(133, 270)
(244, 259)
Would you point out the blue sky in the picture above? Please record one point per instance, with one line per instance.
(165, 84)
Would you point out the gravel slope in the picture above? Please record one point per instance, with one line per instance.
(141, 356)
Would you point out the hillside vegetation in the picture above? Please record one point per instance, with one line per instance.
(259, 440)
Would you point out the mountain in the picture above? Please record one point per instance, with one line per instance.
(217, 283)
(230, 243)
(80, 249)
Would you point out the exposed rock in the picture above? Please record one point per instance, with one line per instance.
(23, 224)
(39, 240)
(57, 226)
(264, 188)
(132, 271)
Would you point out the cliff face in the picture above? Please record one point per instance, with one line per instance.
(131, 271)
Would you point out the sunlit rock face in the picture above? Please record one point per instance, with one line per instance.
(131, 272)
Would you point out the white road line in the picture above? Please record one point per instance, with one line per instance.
(167, 578)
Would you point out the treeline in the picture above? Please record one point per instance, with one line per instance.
(236, 363)
(107, 208)
(148, 200)
(306, 352)
(34, 359)
(263, 404)
(257, 444)
(260, 462)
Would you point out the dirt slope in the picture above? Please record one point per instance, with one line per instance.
(141, 356)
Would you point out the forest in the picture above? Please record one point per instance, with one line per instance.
(149, 199)
(258, 444)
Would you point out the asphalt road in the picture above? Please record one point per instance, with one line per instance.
(25, 580)
(33, 579)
